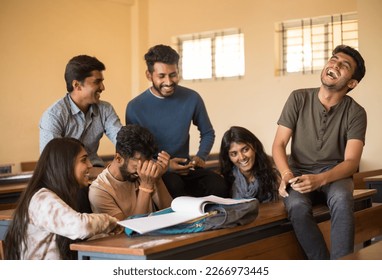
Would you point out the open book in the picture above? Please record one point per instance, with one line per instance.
(186, 208)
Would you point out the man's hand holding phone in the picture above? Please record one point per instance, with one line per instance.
(181, 166)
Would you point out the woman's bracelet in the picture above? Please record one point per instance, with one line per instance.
(286, 172)
(146, 190)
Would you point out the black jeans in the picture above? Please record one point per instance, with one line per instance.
(197, 183)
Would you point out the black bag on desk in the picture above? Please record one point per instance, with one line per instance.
(218, 216)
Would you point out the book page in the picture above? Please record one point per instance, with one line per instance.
(196, 204)
(185, 209)
(151, 223)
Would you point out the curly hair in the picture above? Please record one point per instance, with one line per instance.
(263, 169)
(161, 53)
(133, 138)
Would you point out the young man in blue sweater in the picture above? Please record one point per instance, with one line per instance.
(167, 110)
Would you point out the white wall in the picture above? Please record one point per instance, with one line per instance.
(256, 100)
(38, 37)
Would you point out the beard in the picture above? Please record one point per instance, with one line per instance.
(128, 176)
(158, 89)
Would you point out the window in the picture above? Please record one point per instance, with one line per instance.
(306, 44)
(211, 55)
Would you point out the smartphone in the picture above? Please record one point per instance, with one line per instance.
(185, 162)
(289, 185)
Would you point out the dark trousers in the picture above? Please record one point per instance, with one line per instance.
(197, 183)
(339, 198)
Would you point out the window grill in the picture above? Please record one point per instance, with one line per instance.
(306, 44)
(211, 55)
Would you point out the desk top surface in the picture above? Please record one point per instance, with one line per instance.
(14, 183)
(377, 178)
(145, 245)
(363, 193)
(16, 176)
(6, 214)
(13, 188)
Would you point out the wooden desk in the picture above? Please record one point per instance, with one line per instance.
(372, 252)
(11, 186)
(186, 246)
(271, 225)
(9, 195)
(358, 178)
(377, 178)
(14, 178)
(374, 182)
(5, 220)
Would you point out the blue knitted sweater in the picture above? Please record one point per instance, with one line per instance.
(169, 120)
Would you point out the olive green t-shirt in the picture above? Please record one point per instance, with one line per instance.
(319, 136)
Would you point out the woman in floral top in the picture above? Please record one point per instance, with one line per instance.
(46, 220)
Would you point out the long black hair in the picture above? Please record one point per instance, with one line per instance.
(263, 169)
(54, 171)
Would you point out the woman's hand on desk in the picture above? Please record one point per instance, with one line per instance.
(117, 230)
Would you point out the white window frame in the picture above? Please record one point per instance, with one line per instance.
(211, 55)
(306, 44)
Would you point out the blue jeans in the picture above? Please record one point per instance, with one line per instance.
(339, 198)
